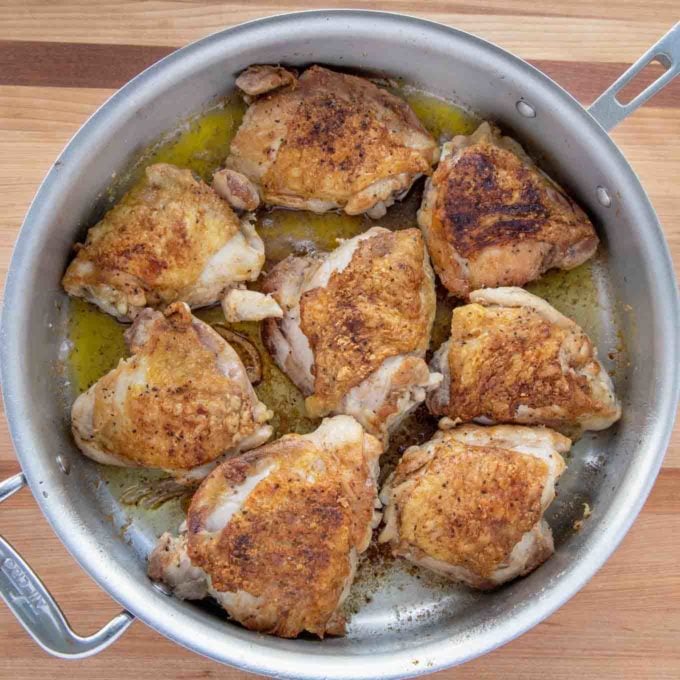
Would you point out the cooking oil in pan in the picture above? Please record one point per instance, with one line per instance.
(442, 119)
(204, 142)
(288, 232)
(200, 144)
(573, 293)
(97, 343)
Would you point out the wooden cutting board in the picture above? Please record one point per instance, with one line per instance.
(60, 60)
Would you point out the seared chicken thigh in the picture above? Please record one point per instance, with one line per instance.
(274, 535)
(179, 403)
(512, 358)
(356, 326)
(492, 218)
(171, 238)
(324, 141)
(469, 503)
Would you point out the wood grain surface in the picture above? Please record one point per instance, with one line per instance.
(60, 60)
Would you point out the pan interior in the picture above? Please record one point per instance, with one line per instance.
(388, 595)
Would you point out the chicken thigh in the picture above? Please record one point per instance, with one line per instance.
(512, 358)
(469, 503)
(179, 403)
(275, 534)
(323, 141)
(356, 326)
(491, 217)
(171, 238)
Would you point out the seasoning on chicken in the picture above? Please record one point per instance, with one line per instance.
(275, 534)
(491, 217)
(171, 238)
(324, 141)
(512, 358)
(469, 503)
(180, 403)
(356, 326)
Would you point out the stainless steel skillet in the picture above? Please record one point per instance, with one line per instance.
(411, 626)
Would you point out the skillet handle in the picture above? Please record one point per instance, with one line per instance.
(37, 611)
(608, 111)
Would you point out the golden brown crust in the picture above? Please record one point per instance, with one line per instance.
(368, 312)
(504, 358)
(496, 220)
(328, 138)
(154, 244)
(289, 544)
(467, 505)
(185, 412)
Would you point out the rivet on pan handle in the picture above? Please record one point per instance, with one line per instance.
(608, 111)
(37, 611)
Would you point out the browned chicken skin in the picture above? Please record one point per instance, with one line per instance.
(325, 141)
(180, 402)
(469, 503)
(171, 238)
(512, 358)
(274, 535)
(356, 326)
(370, 310)
(492, 218)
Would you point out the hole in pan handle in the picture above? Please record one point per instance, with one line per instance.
(608, 111)
(37, 611)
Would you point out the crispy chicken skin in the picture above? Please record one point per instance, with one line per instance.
(171, 238)
(355, 327)
(492, 218)
(469, 503)
(325, 141)
(274, 535)
(179, 403)
(512, 358)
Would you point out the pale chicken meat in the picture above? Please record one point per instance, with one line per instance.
(323, 141)
(275, 534)
(170, 238)
(513, 358)
(492, 218)
(469, 503)
(180, 403)
(355, 328)
(240, 304)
